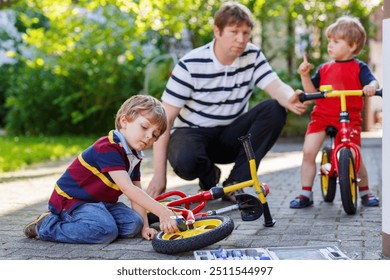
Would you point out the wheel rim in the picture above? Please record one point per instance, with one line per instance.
(200, 227)
(324, 178)
(352, 180)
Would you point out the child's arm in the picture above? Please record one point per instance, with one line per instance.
(370, 89)
(304, 72)
(138, 196)
(147, 232)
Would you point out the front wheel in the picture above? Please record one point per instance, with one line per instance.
(348, 182)
(328, 183)
(206, 231)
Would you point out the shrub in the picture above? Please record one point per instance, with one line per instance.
(82, 67)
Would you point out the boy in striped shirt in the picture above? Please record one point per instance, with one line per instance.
(84, 207)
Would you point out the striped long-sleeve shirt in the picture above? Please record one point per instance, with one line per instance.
(211, 94)
(87, 179)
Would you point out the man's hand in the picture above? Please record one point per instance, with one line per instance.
(156, 186)
(296, 106)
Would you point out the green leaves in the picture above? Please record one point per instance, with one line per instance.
(77, 61)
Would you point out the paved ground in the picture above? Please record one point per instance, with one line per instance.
(24, 195)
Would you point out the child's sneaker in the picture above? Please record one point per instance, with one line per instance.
(31, 229)
(370, 200)
(301, 202)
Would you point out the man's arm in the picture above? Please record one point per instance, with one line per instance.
(286, 96)
(160, 152)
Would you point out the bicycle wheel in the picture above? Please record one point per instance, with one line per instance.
(347, 179)
(206, 231)
(328, 184)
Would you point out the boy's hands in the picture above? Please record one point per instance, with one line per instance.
(304, 68)
(168, 221)
(148, 233)
(369, 90)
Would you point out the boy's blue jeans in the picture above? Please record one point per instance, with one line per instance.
(91, 223)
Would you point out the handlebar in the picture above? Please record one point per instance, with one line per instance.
(333, 93)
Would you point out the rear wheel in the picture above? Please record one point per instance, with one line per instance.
(328, 184)
(206, 231)
(348, 182)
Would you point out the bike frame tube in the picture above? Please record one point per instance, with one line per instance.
(200, 198)
(252, 168)
(253, 182)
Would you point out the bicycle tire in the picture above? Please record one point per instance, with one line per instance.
(328, 184)
(348, 182)
(207, 231)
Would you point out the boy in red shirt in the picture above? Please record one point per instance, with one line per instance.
(346, 39)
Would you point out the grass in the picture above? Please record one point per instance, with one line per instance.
(18, 152)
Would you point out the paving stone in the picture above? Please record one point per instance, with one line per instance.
(24, 195)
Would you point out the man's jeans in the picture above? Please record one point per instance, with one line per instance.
(91, 223)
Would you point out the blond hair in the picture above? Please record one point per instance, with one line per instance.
(146, 106)
(349, 29)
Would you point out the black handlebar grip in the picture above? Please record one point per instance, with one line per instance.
(379, 92)
(305, 97)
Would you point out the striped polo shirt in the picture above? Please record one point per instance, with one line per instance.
(211, 94)
(87, 179)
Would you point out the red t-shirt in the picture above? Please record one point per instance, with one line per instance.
(341, 75)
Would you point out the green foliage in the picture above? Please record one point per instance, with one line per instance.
(157, 73)
(79, 60)
(17, 152)
(82, 68)
(3, 86)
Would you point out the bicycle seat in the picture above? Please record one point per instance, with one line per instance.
(331, 131)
